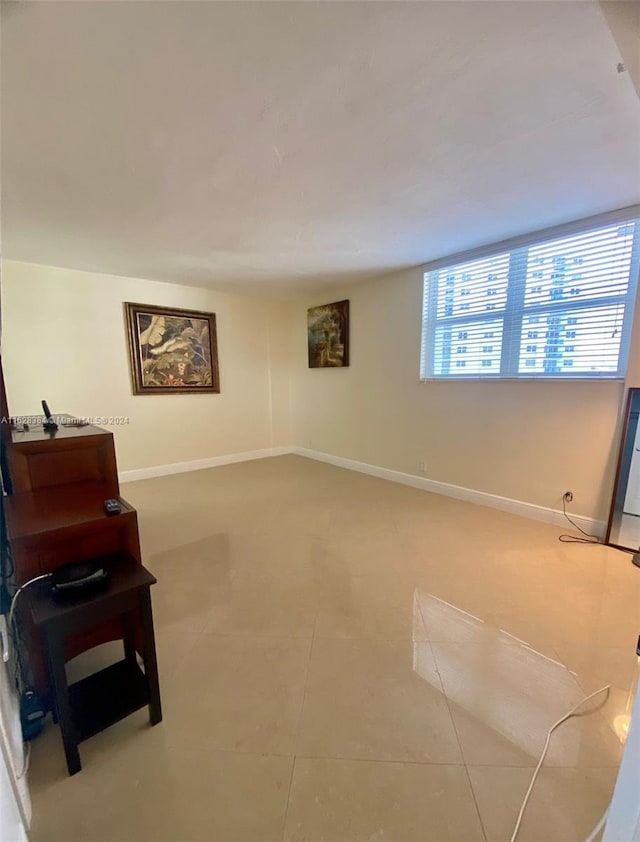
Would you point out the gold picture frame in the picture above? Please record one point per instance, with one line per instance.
(172, 351)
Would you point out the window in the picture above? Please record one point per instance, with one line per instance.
(529, 292)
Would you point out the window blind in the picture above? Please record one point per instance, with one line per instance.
(559, 307)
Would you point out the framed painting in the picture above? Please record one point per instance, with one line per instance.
(171, 351)
(328, 335)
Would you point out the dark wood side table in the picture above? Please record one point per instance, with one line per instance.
(97, 701)
(59, 525)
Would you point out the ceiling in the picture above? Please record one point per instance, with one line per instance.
(275, 147)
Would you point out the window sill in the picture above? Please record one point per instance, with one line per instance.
(497, 379)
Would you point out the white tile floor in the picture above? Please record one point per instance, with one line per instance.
(343, 658)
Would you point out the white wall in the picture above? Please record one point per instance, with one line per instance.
(525, 440)
(15, 803)
(64, 339)
(623, 19)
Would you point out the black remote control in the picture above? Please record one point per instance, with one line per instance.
(112, 506)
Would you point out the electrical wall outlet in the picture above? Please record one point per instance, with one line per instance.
(568, 496)
(422, 467)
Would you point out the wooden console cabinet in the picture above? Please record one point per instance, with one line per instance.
(55, 515)
(67, 456)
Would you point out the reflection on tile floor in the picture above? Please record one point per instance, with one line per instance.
(344, 658)
(627, 532)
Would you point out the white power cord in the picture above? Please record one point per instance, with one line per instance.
(25, 762)
(562, 719)
(596, 830)
(27, 749)
(19, 591)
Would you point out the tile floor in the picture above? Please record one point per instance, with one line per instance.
(344, 658)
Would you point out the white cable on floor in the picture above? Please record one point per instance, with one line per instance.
(596, 830)
(564, 718)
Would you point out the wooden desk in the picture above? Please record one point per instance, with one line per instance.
(97, 701)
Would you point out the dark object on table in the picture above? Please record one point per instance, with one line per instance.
(112, 506)
(48, 424)
(32, 714)
(79, 578)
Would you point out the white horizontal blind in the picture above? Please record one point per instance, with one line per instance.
(558, 308)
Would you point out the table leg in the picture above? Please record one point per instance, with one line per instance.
(149, 655)
(129, 637)
(55, 655)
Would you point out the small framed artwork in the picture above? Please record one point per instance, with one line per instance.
(328, 335)
(171, 351)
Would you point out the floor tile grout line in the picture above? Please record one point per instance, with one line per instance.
(304, 696)
(306, 680)
(475, 801)
(395, 761)
(455, 730)
(399, 638)
(286, 809)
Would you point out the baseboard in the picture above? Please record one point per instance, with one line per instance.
(199, 464)
(481, 498)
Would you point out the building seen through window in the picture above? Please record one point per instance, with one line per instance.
(561, 307)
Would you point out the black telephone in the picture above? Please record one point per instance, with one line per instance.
(48, 424)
